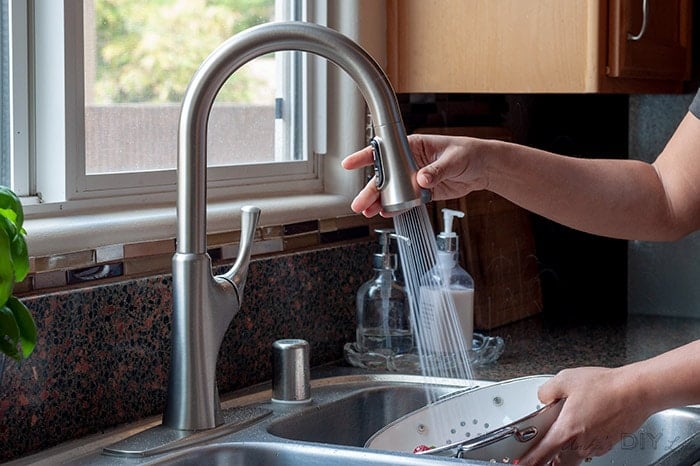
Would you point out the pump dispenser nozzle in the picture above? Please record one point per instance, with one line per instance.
(385, 259)
(447, 240)
(448, 215)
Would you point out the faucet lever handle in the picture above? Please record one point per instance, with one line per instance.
(249, 222)
(250, 215)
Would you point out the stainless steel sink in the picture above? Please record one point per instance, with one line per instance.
(344, 412)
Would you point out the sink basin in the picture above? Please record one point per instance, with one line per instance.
(354, 419)
(670, 438)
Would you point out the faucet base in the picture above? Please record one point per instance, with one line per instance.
(162, 439)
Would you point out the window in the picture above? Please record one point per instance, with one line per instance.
(124, 92)
(93, 123)
(139, 58)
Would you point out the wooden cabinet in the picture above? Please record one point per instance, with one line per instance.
(649, 39)
(538, 46)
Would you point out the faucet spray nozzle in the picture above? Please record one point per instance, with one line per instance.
(395, 171)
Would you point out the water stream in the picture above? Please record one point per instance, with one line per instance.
(442, 350)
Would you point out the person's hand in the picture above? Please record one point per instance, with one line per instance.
(601, 406)
(446, 168)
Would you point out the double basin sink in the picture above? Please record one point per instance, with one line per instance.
(347, 410)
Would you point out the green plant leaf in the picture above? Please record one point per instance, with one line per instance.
(9, 226)
(7, 272)
(11, 207)
(20, 257)
(9, 334)
(17, 327)
(25, 325)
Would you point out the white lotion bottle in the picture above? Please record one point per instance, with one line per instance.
(447, 297)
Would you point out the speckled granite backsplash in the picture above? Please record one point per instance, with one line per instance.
(103, 353)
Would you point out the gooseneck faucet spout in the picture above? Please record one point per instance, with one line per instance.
(203, 304)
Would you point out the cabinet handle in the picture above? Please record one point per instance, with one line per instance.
(645, 16)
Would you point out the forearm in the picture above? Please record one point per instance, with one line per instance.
(616, 198)
(669, 380)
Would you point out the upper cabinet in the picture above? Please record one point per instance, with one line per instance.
(539, 46)
(649, 39)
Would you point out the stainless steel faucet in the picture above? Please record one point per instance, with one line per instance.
(204, 305)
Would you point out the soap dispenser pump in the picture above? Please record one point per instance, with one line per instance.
(383, 313)
(447, 289)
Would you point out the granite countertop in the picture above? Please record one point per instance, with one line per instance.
(536, 346)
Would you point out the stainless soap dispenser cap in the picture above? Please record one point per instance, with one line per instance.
(386, 260)
(291, 379)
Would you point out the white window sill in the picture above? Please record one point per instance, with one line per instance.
(59, 232)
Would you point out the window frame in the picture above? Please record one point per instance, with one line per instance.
(20, 79)
(61, 22)
(338, 128)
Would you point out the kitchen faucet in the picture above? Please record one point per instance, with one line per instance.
(203, 304)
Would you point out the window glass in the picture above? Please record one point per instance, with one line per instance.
(139, 58)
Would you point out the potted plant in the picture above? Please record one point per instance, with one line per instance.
(17, 327)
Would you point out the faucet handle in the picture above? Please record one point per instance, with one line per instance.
(250, 215)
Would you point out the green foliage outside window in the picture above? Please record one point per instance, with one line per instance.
(148, 51)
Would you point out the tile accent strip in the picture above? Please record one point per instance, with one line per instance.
(109, 263)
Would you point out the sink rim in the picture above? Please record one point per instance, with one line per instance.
(319, 450)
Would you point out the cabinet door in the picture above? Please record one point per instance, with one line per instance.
(649, 39)
(493, 45)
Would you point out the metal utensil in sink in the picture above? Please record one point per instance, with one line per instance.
(496, 422)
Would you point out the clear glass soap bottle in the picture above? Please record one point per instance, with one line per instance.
(383, 313)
